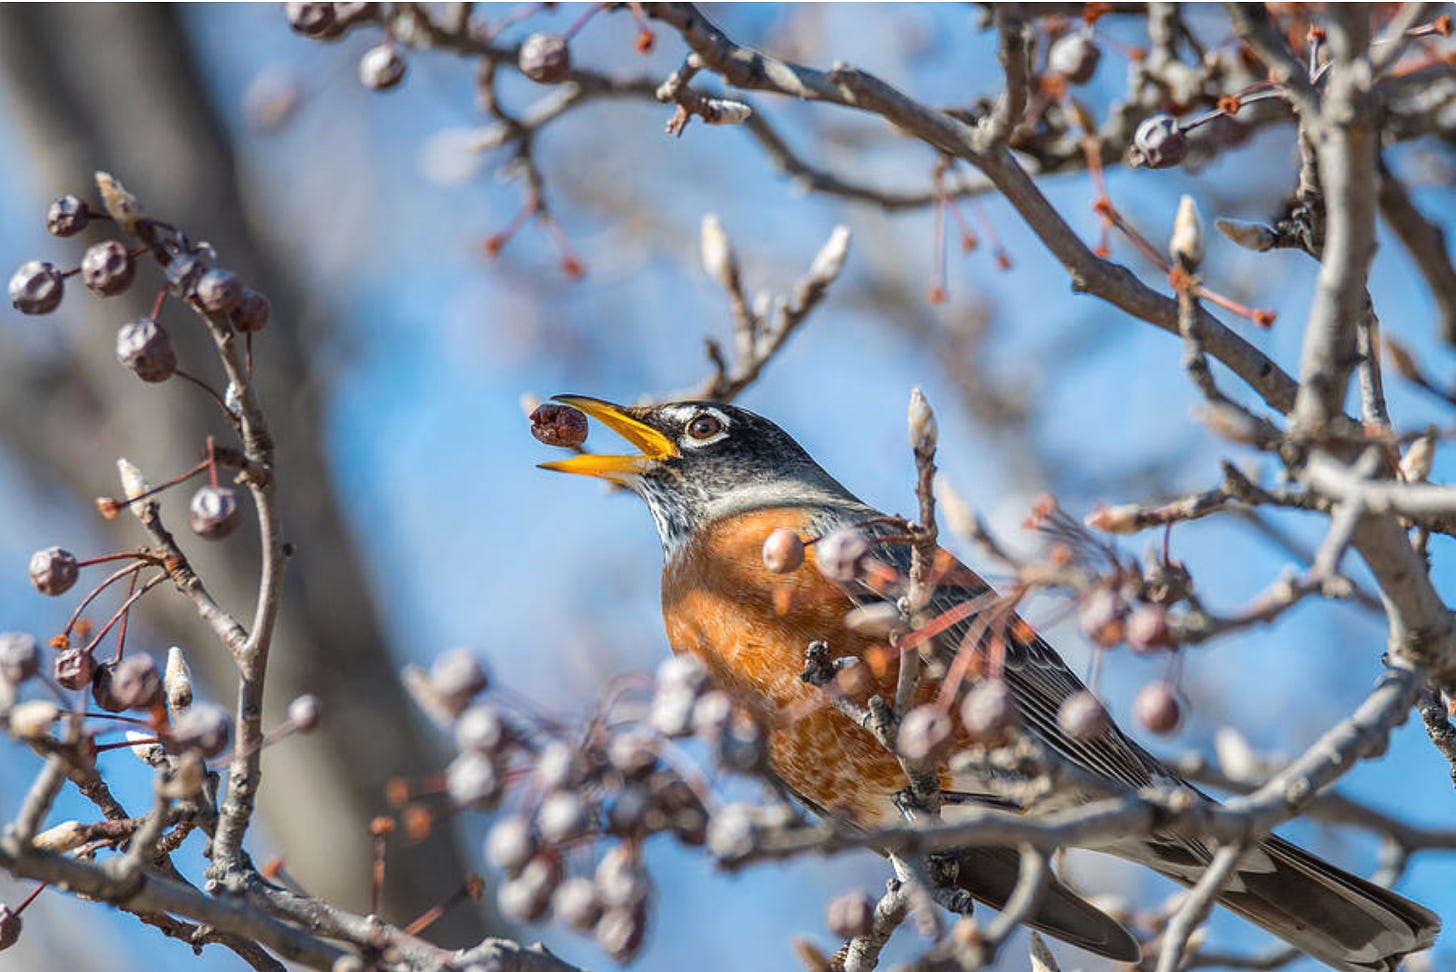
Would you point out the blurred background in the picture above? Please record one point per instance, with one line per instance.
(398, 356)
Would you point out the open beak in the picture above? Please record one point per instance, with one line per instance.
(654, 445)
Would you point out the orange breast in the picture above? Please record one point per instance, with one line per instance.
(750, 627)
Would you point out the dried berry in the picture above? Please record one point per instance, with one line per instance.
(314, 20)
(1074, 57)
(19, 656)
(711, 715)
(305, 712)
(481, 728)
(53, 570)
(559, 425)
(522, 900)
(627, 812)
(850, 915)
(1147, 628)
(215, 512)
(136, 683)
(620, 933)
(107, 268)
(682, 673)
(621, 880)
(923, 733)
(841, 554)
(145, 347)
(561, 816)
(633, 753)
(576, 903)
(1157, 708)
(1083, 717)
(9, 926)
(204, 729)
(75, 669)
(457, 677)
(183, 273)
(219, 291)
(989, 709)
(37, 288)
(1159, 142)
(672, 711)
(511, 843)
(382, 67)
(558, 766)
(252, 312)
(545, 58)
(1101, 614)
(67, 216)
(473, 781)
(732, 832)
(783, 551)
(743, 747)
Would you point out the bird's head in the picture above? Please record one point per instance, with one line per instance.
(701, 461)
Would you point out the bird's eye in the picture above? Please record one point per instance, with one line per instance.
(704, 427)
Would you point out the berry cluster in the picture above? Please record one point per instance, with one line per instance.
(584, 801)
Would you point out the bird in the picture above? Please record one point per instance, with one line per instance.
(718, 480)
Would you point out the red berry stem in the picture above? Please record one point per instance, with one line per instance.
(131, 569)
(157, 304)
(128, 743)
(121, 613)
(114, 505)
(31, 897)
(212, 392)
(581, 21)
(125, 618)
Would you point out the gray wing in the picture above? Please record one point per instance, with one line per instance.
(1038, 677)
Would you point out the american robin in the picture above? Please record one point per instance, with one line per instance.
(719, 480)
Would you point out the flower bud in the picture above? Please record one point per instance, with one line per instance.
(177, 680)
(924, 431)
(1186, 244)
(1251, 236)
(717, 252)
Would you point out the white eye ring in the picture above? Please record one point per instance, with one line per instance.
(704, 428)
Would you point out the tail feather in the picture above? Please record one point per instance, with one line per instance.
(989, 874)
(1344, 921)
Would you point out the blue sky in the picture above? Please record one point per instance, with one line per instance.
(437, 345)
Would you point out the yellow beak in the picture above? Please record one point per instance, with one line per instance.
(654, 445)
